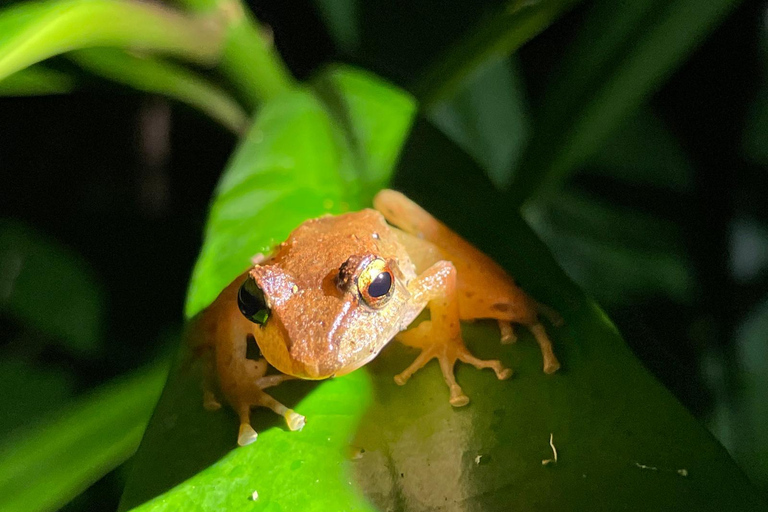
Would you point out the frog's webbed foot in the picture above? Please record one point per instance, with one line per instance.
(447, 352)
(252, 395)
(244, 388)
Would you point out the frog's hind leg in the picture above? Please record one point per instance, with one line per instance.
(440, 337)
(483, 288)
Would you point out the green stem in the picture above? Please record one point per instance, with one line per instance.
(249, 58)
(36, 81)
(33, 32)
(155, 76)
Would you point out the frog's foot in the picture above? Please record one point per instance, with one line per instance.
(210, 402)
(247, 435)
(253, 395)
(447, 353)
(551, 364)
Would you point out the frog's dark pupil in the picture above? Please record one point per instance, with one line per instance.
(251, 301)
(380, 285)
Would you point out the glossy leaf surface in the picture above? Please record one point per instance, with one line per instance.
(621, 438)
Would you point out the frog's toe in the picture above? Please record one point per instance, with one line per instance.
(209, 401)
(551, 367)
(507, 332)
(246, 435)
(458, 398)
(294, 420)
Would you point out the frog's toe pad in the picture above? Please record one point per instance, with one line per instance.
(458, 398)
(295, 420)
(247, 435)
(551, 367)
(209, 402)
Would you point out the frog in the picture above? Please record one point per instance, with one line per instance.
(339, 289)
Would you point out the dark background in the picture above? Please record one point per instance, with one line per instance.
(76, 170)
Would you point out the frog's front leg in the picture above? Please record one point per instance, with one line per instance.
(440, 336)
(220, 335)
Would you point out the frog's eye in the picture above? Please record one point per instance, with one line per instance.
(376, 283)
(252, 303)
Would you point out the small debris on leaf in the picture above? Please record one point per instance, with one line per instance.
(553, 460)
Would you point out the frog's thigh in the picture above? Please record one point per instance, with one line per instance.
(440, 337)
(484, 289)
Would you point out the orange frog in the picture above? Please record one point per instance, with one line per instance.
(340, 288)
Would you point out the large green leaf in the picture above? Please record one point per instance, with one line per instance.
(622, 54)
(623, 441)
(44, 467)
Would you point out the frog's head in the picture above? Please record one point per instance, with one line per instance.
(328, 325)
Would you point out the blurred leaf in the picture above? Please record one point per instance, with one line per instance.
(756, 129)
(748, 248)
(748, 417)
(620, 252)
(616, 253)
(49, 288)
(248, 57)
(36, 81)
(487, 118)
(33, 31)
(155, 76)
(492, 39)
(43, 468)
(622, 54)
(44, 389)
(341, 17)
(642, 151)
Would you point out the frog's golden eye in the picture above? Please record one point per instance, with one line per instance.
(252, 303)
(376, 283)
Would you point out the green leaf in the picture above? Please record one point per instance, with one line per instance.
(31, 32)
(623, 53)
(342, 19)
(248, 58)
(487, 118)
(493, 38)
(45, 389)
(155, 76)
(642, 151)
(49, 288)
(747, 424)
(44, 467)
(371, 445)
(36, 81)
(620, 252)
(756, 129)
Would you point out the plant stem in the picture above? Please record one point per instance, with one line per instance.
(249, 58)
(156, 76)
(35, 31)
